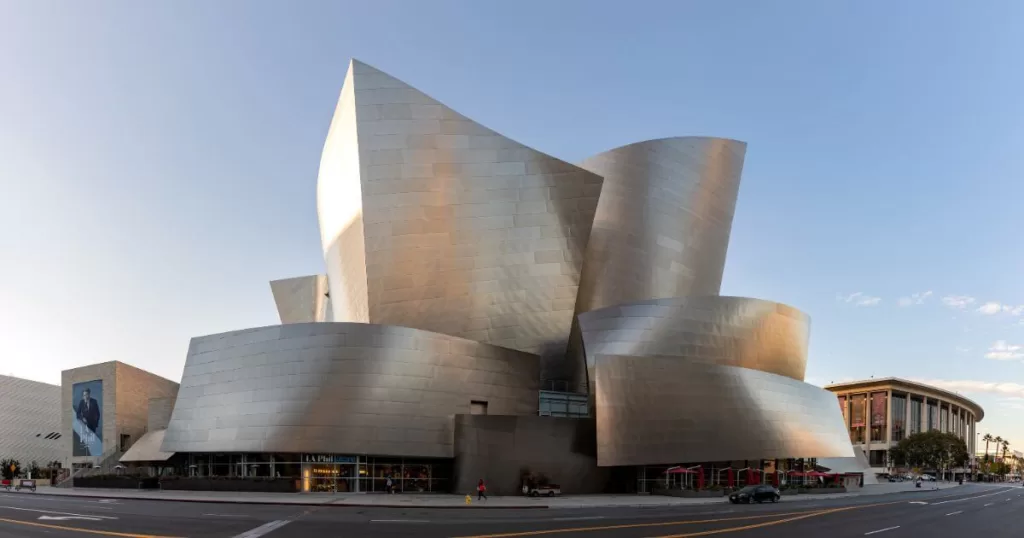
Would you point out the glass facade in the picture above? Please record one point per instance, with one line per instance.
(858, 421)
(563, 404)
(933, 415)
(879, 408)
(915, 416)
(899, 417)
(329, 472)
(944, 419)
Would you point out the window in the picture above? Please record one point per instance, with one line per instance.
(477, 408)
(877, 458)
(562, 404)
(915, 416)
(899, 417)
(857, 418)
(124, 442)
(879, 408)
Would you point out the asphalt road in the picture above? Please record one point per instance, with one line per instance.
(971, 510)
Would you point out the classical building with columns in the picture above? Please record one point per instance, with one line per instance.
(879, 413)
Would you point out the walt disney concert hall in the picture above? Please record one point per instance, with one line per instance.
(490, 311)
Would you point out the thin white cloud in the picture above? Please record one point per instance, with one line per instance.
(915, 298)
(958, 301)
(1001, 351)
(961, 349)
(1003, 389)
(990, 308)
(859, 299)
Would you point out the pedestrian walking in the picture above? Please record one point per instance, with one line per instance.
(481, 490)
(388, 487)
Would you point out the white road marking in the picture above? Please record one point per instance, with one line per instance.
(264, 529)
(399, 521)
(65, 518)
(955, 513)
(989, 504)
(969, 498)
(920, 502)
(881, 530)
(57, 513)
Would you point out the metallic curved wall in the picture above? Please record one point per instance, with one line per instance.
(341, 388)
(662, 224)
(661, 228)
(731, 331)
(454, 228)
(302, 299)
(664, 410)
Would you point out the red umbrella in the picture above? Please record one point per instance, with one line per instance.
(732, 480)
(700, 478)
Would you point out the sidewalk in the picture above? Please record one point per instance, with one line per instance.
(449, 500)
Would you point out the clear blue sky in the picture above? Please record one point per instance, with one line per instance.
(158, 161)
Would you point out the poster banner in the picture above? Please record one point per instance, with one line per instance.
(87, 418)
(878, 402)
(857, 413)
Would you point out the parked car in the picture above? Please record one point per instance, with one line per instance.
(928, 478)
(549, 490)
(757, 494)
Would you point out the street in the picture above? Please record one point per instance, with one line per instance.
(983, 510)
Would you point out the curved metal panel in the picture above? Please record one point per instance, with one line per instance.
(662, 224)
(662, 410)
(731, 331)
(341, 387)
(301, 299)
(339, 208)
(661, 228)
(466, 232)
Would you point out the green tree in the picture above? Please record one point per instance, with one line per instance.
(931, 450)
(10, 468)
(33, 469)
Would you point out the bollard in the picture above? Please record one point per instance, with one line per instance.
(469, 499)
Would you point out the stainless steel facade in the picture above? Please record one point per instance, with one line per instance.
(302, 299)
(654, 410)
(343, 388)
(461, 265)
(732, 331)
(662, 225)
(430, 220)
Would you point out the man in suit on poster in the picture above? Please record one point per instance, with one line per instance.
(88, 411)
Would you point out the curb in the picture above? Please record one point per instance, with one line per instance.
(283, 503)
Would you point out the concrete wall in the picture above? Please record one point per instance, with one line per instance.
(106, 372)
(498, 448)
(126, 394)
(30, 420)
(160, 412)
(135, 388)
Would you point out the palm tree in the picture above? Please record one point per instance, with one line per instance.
(1006, 447)
(987, 439)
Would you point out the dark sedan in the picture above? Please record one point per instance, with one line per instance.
(755, 494)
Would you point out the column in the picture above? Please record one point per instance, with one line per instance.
(906, 420)
(924, 413)
(888, 417)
